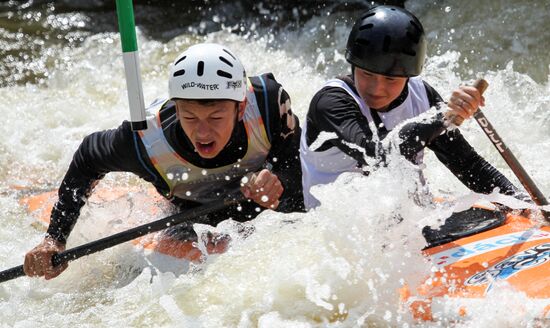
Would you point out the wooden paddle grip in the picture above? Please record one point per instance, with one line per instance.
(481, 85)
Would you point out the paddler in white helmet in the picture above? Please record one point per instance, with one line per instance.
(217, 127)
(386, 49)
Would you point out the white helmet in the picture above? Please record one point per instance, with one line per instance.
(207, 71)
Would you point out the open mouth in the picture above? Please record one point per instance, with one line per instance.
(205, 147)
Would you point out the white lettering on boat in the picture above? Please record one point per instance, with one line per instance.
(460, 253)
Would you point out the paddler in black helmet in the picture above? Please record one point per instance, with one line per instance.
(386, 49)
(217, 127)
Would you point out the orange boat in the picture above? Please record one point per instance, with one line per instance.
(505, 248)
(471, 253)
(166, 253)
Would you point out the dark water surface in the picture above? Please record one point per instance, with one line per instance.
(489, 34)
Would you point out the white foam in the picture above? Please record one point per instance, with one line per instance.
(343, 261)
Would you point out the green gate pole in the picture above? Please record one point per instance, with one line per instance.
(126, 25)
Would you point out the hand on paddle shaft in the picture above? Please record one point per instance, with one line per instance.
(463, 105)
(263, 187)
(38, 262)
(197, 214)
(465, 102)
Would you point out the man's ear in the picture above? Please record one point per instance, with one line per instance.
(242, 107)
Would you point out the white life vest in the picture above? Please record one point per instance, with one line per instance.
(323, 167)
(190, 182)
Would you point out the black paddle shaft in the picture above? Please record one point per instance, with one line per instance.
(124, 236)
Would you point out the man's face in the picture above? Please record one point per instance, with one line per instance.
(208, 125)
(378, 91)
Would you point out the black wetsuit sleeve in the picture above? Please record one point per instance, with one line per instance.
(99, 153)
(468, 166)
(333, 110)
(284, 132)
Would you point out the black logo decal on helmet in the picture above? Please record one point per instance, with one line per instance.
(234, 84)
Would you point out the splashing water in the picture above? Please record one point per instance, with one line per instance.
(340, 265)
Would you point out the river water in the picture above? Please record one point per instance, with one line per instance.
(339, 266)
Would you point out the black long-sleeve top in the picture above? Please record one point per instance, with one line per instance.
(121, 150)
(332, 109)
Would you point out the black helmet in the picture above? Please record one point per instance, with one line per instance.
(387, 40)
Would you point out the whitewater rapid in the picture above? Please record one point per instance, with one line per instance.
(340, 265)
